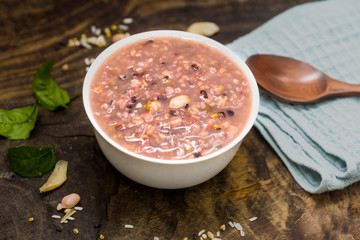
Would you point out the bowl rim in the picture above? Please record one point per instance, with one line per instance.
(184, 35)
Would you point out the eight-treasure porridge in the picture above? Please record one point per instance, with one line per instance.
(170, 98)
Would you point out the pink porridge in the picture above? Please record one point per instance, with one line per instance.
(170, 98)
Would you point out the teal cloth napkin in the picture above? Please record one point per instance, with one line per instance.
(319, 143)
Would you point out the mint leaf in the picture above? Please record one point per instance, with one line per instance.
(47, 91)
(31, 161)
(17, 123)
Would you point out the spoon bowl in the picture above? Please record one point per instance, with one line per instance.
(293, 81)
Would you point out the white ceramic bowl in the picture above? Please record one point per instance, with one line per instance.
(167, 174)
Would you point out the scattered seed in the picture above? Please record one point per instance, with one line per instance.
(71, 218)
(129, 226)
(203, 28)
(84, 43)
(156, 238)
(70, 200)
(218, 233)
(64, 67)
(128, 20)
(107, 32)
(231, 224)
(78, 208)
(210, 235)
(75, 231)
(97, 225)
(195, 236)
(201, 232)
(31, 219)
(87, 61)
(123, 27)
(238, 226)
(102, 236)
(113, 27)
(222, 227)
(58, 228)
(252, 219)
(242, 234)
(204, 236)
(56, 216)
(93, 29)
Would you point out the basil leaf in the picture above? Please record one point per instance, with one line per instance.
(46, 90)
(17, 123)
(31, 161)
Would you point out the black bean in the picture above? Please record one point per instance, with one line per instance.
(174, 112)
(133, 99)
(187, 106)
(58, 228)
(163, 63)
(150, 41)
(231, 113)
(195, 236)
(161, 97)
(195, 67)
(204, 93)
(60, 45)
(129, 106)
(136, 74)
(221, 114)
(97, 225)
(197, 154)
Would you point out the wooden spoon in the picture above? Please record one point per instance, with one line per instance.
(293, 81)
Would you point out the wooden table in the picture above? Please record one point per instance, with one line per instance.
(256, 183)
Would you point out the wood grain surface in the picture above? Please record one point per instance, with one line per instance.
(255, 183)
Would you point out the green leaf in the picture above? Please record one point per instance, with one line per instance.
(31, 161)
(17, 123)
(46, 90)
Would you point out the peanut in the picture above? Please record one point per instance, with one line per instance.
(179, 101)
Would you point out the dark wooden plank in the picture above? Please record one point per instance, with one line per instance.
(256, 183)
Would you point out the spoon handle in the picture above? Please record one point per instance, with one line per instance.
(338, 88)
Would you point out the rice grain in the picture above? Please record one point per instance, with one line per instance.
(129, 226)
